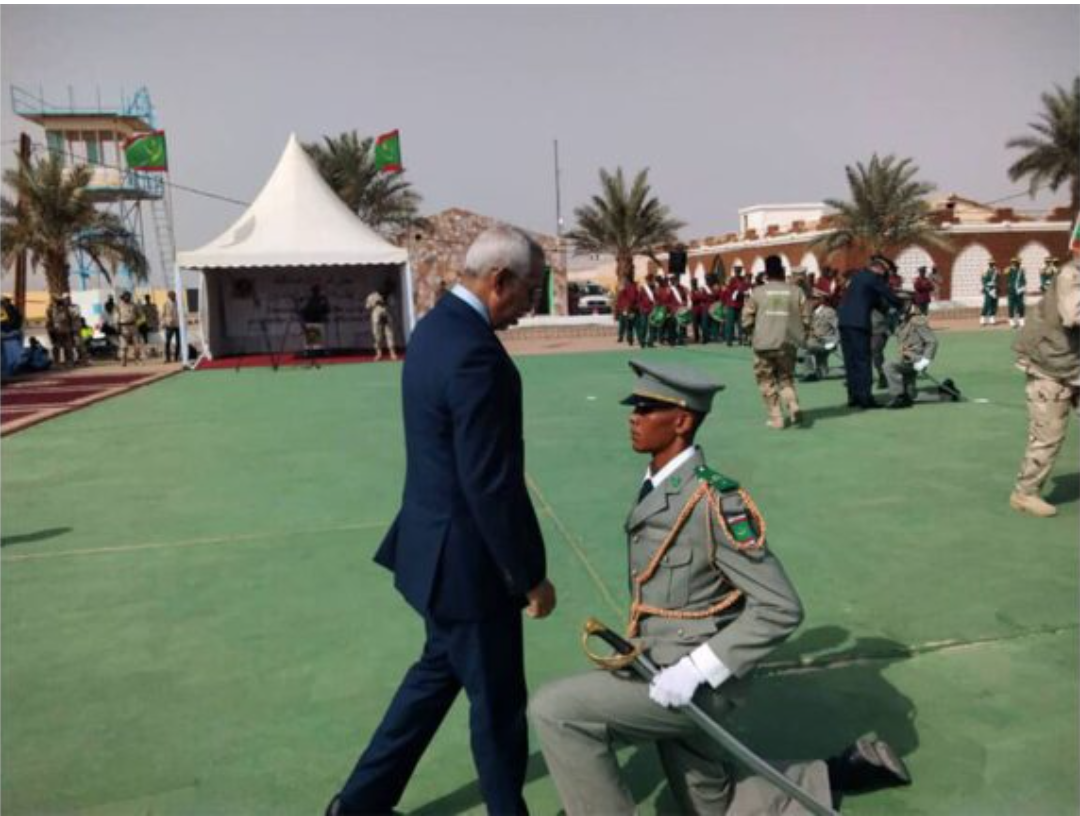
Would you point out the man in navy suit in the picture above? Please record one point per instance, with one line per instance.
(867, 290)
(465, 549)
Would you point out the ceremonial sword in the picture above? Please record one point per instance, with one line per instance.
(631, 656)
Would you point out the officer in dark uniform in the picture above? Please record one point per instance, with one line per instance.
(866, 290)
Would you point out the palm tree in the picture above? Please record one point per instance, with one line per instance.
(56, 218)
(623, 223)
(385, 201)
(888, 209)
(1053, 156)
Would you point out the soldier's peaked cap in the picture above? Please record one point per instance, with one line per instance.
(672, 385)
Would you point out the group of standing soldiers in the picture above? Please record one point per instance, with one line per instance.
(1015, 290)
(127, 322)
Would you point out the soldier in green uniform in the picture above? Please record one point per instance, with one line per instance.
(1016, 286)
(918, 345)
(710, 601)
(1050, 268)
(990, 295)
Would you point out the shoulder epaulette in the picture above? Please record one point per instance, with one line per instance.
(718, 480)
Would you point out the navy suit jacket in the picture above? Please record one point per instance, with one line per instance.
(466, 543)
(865, 291)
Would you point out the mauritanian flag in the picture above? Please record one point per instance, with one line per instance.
(388, 152)
(146, 151)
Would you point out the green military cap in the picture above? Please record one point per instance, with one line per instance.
(672, 385)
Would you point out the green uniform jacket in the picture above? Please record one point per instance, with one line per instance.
(1017, 281)
(989, 283)
(916, 339)
(702, 566)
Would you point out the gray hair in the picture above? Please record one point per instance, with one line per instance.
(503, 248)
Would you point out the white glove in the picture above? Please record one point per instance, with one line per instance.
(675, 686)
(921, 365)
(830, 346)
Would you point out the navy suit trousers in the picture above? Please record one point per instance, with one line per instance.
(855, 344)
(486, 659)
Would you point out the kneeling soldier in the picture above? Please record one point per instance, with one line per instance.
(918, 344)
(710, 600)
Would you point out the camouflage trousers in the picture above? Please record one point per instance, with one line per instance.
(1048, 403)
(775, 375)
(130, 339)
(382, 330)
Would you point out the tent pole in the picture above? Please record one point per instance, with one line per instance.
(181, 308)
(410, 306)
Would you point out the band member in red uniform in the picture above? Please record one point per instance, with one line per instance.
(699, 302)
(646, 302)
(626, 306)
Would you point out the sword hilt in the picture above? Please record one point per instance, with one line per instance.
(626, 652)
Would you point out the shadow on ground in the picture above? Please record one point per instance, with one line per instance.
(33, 538)
(1066, 489)
(468, 797)
(813, 712)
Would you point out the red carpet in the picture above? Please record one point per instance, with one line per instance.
(36, 397)
(287, 359)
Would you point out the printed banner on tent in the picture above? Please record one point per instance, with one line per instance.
(146, 151)
(388, 152)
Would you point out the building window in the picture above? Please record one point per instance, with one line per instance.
(55, 141)
(93, 152)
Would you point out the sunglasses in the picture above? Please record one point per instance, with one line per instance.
(651, 408)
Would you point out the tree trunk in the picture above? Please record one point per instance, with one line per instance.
(57, 276)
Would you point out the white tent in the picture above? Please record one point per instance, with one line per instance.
(257, 275)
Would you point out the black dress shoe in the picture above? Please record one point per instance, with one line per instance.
(948, 389)
(903, 401)
(869, 764)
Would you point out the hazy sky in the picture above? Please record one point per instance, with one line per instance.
(727, 106)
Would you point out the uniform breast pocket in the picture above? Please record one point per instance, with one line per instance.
(674, 578)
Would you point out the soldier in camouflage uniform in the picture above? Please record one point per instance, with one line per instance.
(777, 314)
(61, 330)
(382, 329)
(127, 318)
(710, 600)
(1048, 352)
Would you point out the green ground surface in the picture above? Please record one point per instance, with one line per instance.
(192, 623)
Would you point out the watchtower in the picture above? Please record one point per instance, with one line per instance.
(96, 135)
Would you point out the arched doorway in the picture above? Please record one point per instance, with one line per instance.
(967, 272)
(717, 270)
(909, 261)
(1033, 258)
(810, 263)
(757, 266)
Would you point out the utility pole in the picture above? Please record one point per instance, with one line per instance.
(20, 261)
(559, 220)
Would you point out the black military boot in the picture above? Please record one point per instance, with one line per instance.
(869, 764)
